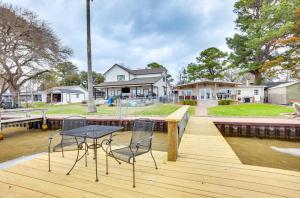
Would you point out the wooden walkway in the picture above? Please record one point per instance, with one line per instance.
(206, 167)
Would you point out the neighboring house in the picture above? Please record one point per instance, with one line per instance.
(285, 93)
(23, 96)
(250, 93)
(65, 94)
(219, 90)
(207, 90)
(125, 82)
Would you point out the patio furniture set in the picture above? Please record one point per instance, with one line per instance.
(75, 132)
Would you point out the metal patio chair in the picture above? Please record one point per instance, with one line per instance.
(69, 143)
(140, 143)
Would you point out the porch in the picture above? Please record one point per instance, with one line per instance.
(126, 91)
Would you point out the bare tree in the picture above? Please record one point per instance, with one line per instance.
(28, 47)
(91, 102)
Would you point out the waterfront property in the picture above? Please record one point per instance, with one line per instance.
(129, 83)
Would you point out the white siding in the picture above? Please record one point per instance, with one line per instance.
(112, 74)
(160, 85)
(249, 92)
(146, 76)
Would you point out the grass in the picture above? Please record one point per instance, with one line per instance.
(103, 110)
(257, 110)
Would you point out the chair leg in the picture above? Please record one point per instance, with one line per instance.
(85, 148)
(106, 163)
(62, 151)
(49, 169)
(153, 159)
(49, 150)
(133, 172)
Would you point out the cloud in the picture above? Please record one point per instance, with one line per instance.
(135, 33)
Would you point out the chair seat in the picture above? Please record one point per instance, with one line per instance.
(125, 153)
(67, 146)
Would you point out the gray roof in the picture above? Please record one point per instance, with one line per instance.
(272, 84)
(285, 84)
(69, 91)
(135, 81)
(140, 71)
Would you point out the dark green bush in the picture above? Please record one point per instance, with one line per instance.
(189, 102)
(225, 102)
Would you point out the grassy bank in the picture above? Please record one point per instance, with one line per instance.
(104, 110)
(256, 110)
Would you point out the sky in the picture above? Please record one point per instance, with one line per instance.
(135, 33)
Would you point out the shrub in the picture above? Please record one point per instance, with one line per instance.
(84, 102)
(189, 102)
(225, 102)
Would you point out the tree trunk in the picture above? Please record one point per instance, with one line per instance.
(91, 103)
(258, 77)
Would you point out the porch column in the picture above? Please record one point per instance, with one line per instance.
(216, 98)
(151, 90)
(135, 92)
(51, 98)
(106, 93)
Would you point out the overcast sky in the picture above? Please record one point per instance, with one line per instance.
(137, 32)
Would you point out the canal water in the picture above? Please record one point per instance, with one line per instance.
(267, 152)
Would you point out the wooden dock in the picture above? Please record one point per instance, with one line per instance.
(206, 167)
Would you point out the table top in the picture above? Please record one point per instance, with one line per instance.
(92, 131)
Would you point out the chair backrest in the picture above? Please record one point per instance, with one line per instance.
(142, 130)
(69, 123)
(73, 122)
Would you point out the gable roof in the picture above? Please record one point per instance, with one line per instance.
(223, 83)
(67, 89)
(139, 71)
(286, 84)
(132, 82)
(272, 84)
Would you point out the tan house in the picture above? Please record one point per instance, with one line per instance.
(207, 90)
(285, 93)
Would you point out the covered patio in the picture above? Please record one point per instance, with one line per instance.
(135, 88)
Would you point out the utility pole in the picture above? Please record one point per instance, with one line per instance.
(91, 102)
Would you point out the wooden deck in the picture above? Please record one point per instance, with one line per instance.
(206, 167)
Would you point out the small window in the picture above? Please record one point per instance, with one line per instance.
(77, 95)
(256, 92)
(120, 77)
(238, 92)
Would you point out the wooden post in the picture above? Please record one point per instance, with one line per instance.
(172, 141)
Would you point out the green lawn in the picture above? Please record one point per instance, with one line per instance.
(80, 109)
(257, 110)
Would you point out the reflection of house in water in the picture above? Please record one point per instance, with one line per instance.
(66, 94)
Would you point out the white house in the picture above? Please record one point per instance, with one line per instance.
(207, 90)
(65, 94)
(125, 82)
(250, 93)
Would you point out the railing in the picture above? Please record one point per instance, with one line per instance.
(27, 111)
(177, 122)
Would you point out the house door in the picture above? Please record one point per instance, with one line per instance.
(205, 94)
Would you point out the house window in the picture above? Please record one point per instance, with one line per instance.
(256, 92)
(112, 92)
(187, 92)
(238, 92)
(77, 95)
(146, 92)
(120, 77)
